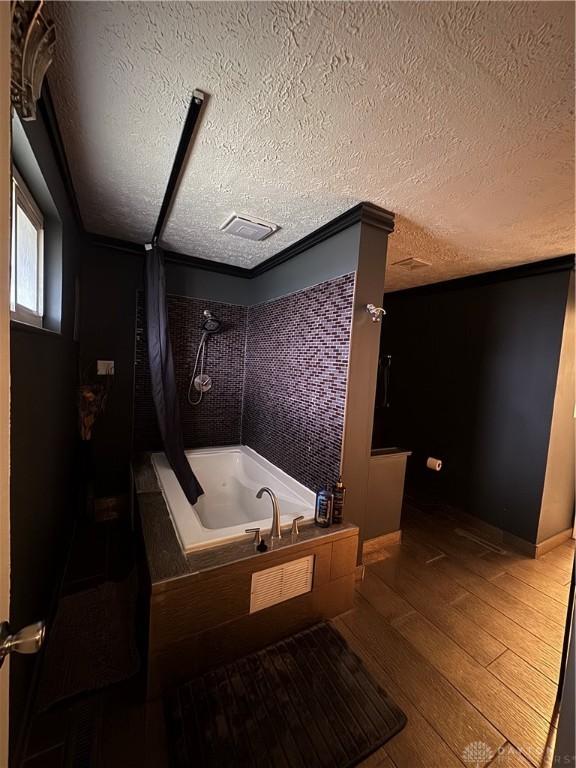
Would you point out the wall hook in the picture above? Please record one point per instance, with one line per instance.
(375, 312)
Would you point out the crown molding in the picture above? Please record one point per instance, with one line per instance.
(48, 115)
(364, 213)
(532, 269)
(173, 257)
(377, 217)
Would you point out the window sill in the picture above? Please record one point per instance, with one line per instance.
(21, 326)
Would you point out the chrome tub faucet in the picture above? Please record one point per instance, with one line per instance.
(275, 532)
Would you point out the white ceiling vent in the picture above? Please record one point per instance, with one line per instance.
(248, 227)
(411, 263)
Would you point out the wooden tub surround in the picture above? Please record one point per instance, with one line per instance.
(199, 602)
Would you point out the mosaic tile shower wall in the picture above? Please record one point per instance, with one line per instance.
(295, 385)
(279, 373)
(218, 418)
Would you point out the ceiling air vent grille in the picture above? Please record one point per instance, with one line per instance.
(411, 263)
(248, 227)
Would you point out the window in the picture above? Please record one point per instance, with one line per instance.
(27, 256)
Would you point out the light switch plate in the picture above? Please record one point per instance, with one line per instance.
(105, 367)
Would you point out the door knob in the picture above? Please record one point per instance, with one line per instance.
(27, 640)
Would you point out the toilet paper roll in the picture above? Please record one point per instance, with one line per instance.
(435, 464)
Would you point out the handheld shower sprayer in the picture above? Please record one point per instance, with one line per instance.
(202, 382)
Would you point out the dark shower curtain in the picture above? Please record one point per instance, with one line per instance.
(162, 374)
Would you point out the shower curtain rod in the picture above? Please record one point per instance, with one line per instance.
(182, 153)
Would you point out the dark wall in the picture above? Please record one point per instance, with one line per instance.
(110, 281)
(331, 258)
(43, 439)
(110, 284)
(297, 351)
(473, 377)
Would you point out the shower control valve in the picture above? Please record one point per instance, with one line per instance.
(295, 521)
(256, 532)
(259, 542)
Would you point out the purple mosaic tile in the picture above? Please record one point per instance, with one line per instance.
(279, 373)
(217, 420)
(295, 384)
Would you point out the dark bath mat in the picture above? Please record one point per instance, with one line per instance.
(91, 643)
(305, 702)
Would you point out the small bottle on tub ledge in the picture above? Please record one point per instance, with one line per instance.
(323, 510)
(338, 495)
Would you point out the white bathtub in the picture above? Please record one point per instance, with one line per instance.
(230, 478)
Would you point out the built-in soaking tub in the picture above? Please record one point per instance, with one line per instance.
(230, 478)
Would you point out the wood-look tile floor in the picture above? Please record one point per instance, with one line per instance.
(467, 640)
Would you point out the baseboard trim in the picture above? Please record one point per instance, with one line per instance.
(552, 542)
(498, 536)
(375, 549)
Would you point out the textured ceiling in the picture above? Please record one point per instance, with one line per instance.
(459, 117)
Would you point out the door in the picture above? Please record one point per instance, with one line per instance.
(4, 359)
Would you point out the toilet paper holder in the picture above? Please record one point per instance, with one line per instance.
(375, 312)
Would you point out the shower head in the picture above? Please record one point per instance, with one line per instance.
(203, 383)
(211, 324)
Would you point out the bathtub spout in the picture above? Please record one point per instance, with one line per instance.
(275, 531)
